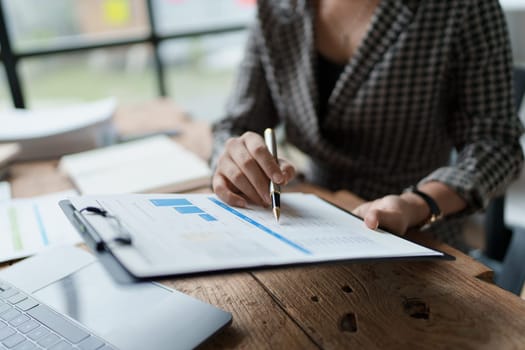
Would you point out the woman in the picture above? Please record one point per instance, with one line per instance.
(377, 93)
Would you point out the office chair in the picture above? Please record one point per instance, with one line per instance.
(504, 249)
(512, 274)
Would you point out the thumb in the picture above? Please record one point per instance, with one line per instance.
(371, 219)
(389, 220)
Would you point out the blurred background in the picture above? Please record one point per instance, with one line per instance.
(80, 50)
(71, 51)
(62, 52)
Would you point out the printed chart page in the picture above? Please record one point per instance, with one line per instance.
(187, 233)
(30, 225)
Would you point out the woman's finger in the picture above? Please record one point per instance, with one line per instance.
(251, 170)
(258, 150)
(238, 179)
(225, 192)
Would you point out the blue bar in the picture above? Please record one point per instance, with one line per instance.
(170, 202)
(207, 217)
(40, 225)
(189, 210)
(259, 226)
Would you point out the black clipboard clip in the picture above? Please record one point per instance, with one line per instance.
(123, 237)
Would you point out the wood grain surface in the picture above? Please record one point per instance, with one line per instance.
(258, 320)
(393, 305)
(419, 305)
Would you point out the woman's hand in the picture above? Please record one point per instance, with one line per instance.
(244, 170)
(395, 213)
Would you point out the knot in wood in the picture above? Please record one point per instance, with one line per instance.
(348, 323)
(416, 308)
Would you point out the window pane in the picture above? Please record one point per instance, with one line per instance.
(182, 15)
(126, 73)
(5, 96)
(200, 71)
(36, 23)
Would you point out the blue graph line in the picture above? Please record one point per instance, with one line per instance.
(40, 225)
(259, 225)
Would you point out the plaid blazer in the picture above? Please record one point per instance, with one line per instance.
(430, 76)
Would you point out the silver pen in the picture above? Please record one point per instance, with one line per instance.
(275, 189)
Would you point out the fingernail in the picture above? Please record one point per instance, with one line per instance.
(277, 177)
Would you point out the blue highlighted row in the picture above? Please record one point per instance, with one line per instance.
(189, 210)
(170, 202)
(207, 217)
(183, 206)
(260, 226)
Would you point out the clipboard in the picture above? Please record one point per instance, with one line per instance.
(114, 240)
(92, 240)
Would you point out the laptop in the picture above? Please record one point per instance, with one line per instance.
(64, 299)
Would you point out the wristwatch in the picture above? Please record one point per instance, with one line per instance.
(435, 212)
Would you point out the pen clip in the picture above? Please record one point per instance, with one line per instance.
(123, 237)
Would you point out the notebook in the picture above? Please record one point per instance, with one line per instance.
(157, 235)
(46, 304)
(154, 164)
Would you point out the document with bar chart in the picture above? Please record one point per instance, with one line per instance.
(171, 234)
(31, 224)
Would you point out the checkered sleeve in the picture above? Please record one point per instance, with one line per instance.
(484, 125)
(250, 106)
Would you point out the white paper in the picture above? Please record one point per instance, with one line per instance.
(22, 124)
(29, 225)
(197, 232)
(5, 191)
(8, 151)
(51, 133)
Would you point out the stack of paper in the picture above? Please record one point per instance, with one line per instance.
(49, 133)
(27, 226)
(155, 164)
(8, 152)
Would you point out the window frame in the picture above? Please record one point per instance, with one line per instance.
(11, 59)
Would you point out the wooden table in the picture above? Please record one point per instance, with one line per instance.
(399, 305)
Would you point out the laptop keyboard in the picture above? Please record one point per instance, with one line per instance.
(26, 324)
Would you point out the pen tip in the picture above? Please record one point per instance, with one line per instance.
(277, 213)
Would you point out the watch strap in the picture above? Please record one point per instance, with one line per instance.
(435, 212)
